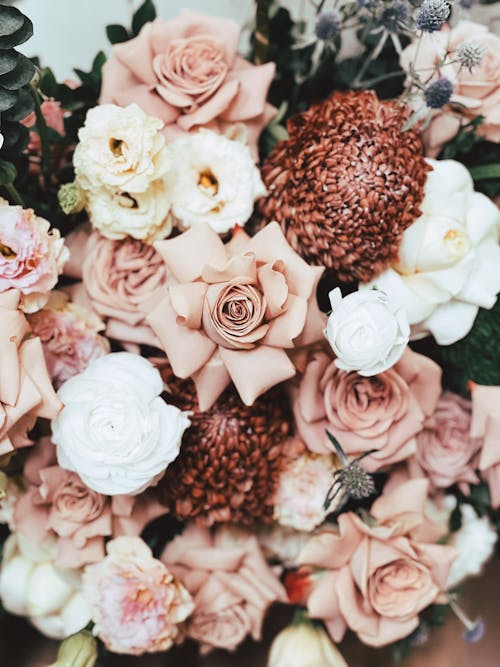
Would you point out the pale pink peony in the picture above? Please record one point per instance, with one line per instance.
(485, 427)
(384, 412)
(231, 584)
(137, 604)
(57, 502)
(446, 453)
(31, 257)
(375, 579)
(186, 72)
(69, 335)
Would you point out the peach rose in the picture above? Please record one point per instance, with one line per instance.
(485, 426)
(230, 581)
(446, 453)
(235, 310)
(186, 71)
(376, 579)
(477, 90)
(383, 412)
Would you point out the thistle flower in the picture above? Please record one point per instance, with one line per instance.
(394, 17)
(438, 93)
(432, 15)
(327, 26)
(470, 54)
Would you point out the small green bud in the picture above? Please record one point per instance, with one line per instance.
(3, 485)
(79, 650)
(71, 198)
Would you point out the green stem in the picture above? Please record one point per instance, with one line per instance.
(300, 617)
(261, 31)
(378, 79)
(485, 171)
(13, 194)
(44, 137)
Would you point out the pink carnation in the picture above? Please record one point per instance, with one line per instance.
(137, 604)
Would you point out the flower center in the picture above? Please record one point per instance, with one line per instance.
(208, 183)
(7, 252)
(115, 146)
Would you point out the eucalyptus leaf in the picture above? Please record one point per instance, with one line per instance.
(11, 20)
(117, 33)
(16, 136)
(8, 60)
(7, 99)
(143, 15)
(19, 37)
(8, 172)
(23, 106)
(21, 74)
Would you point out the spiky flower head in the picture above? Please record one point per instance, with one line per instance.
(438, 93)
(432, 15)
(395, 16)
(470, 54)
(327, 26)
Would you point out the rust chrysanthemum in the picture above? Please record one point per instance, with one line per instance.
(230, 459)
(346, 183)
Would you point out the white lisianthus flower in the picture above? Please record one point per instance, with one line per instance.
(144, 216)
(304, 645)
(31, 585)
(474, 542)
(121, 149)
(214, 180)
(114, 430)
(449, 264)
(367, 332)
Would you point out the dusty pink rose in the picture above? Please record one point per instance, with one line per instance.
(485, 427)
(137, 604)
(477, 90)
(235, 310)
(375, 579)
(57, 502)
(231, 584)
(383, 412)
(186, 71)
(446, 453)
(31, 257)
(25, 388)
(69, 335)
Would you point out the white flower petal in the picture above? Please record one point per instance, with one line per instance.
(451, 321)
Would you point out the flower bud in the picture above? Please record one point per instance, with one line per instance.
(71, 198)
(79, 650)
(304, 645)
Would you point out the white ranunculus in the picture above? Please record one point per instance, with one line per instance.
(115, 430)
(474, 542)
(213, 179)
(31, 585)
(121, 149)
(145, 216)
(449, 264)
(367, 332)
(304, 645)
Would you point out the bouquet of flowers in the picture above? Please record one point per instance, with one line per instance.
(248, 334)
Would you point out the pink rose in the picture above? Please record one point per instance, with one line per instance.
(375, 579)
(383, 412)
(69, 337)
(137, 604)
(446, 453)
(235, 310)
(477, 90)
(31, 257)
(485, 426)
(25, 388)
(230, 581)
(58, 503)
(186, 71)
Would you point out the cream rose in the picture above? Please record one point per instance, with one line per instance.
(114, 430)
(213, 179)
(144, 216)
(366, 331)
(31, 585)
(449, 263)
(120, 148)
(304, 645)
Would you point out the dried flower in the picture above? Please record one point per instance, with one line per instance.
(470, 54)
(438, 93)
(327, 26)
(432, 14)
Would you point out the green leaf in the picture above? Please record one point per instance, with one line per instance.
(23, 106)
(16, 136)
(21, 74)
(11, 20)
(485, 171)
(19, 37)
(8, 172)
(7, 99)
(8, 60)
(117, 33)
(456, 519)
(99, 61)
(144, 14)
(48, 83)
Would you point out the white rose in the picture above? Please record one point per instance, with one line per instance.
(449, 264)
(304, 645)
(213, 179)
(145, 215)
(31, 585)
(367, 332)
(114, 430)
(120, 148)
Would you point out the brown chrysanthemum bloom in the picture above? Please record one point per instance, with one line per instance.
(230, 458)
(346, 183)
